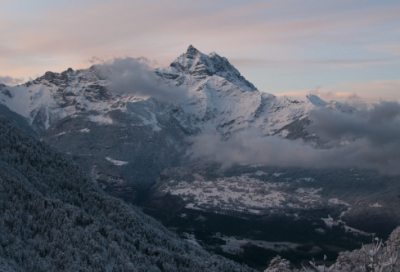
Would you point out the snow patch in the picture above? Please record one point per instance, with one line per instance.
(284, 133)
(191, 239)
(100, 119)
(337, 201)
(116, 162)
(234, 245)
(331, 222)
(320, 231)
(85, 130)
(62, 133)
(151, 122)
(243, 194)
(260, 173)
(307, 179)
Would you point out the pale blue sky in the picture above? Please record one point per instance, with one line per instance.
(334, 48)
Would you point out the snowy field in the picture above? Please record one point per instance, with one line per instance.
(247, 194)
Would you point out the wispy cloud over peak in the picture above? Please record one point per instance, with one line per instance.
(136, 76)
(7, 80)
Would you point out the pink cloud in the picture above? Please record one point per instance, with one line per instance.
(274, 33)
(369, 91)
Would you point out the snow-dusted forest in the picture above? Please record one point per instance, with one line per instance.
(54, 218)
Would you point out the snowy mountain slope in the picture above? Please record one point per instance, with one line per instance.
(52, 97)
(16, 119)
(79, 113)
(220, 98)
(223, 100)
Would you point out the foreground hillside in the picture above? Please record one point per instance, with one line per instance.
(53, 218)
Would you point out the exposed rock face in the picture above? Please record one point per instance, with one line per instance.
(200, 66)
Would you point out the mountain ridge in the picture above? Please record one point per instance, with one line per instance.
(77, 112)
(219, 96)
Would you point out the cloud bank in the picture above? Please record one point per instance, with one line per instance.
(7, 80)
(135, 76)
(368, 139)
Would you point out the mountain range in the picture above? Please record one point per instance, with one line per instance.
(76, 112)
(137, 147)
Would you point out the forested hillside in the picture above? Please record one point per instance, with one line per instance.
(54, 218)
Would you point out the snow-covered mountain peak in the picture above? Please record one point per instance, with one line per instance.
(53, 96)
(192, 51)
(316, 101)
(332, 104)
(194, 66)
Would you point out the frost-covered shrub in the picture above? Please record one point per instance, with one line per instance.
(375, 257)
(278, 265)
